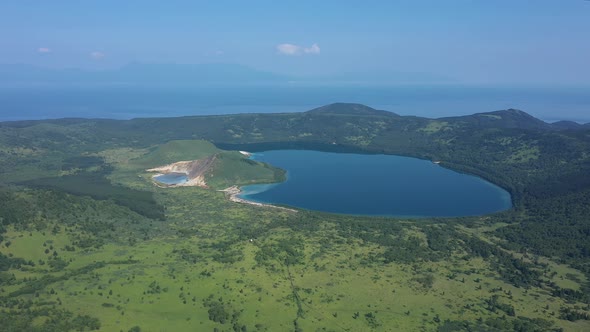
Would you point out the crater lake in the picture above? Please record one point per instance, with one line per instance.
(376, 185)
(171, 178)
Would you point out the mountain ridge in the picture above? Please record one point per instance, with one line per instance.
(510, 118)
(507, 119)
(349, 109)
(144, 73)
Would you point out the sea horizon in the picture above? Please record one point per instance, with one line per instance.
(432, 101)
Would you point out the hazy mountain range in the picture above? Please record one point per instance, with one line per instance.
(188, 74)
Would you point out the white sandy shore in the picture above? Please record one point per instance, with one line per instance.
(234, 191)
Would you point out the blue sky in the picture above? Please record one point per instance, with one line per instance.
(508, 42)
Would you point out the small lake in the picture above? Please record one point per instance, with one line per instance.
(378, 185)
(172, 178)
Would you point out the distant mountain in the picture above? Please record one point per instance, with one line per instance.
(199, 74)
(349, 109)
(569, 125)
(510, 118)
(383, 77)
(142, 74)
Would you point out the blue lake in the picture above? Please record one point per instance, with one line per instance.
(380, 185)
(172, 178)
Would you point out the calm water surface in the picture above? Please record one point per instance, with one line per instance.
(382, 185)
(172, 178)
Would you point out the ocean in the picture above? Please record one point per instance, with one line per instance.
(125, 101)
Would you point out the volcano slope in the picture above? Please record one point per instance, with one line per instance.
(88, 242)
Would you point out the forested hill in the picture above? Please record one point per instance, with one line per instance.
(510, 118)
(539, 163)
(349, 109)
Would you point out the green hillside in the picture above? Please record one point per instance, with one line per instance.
(177, 150)
(88, 242)
(230, 167)
(233, 168)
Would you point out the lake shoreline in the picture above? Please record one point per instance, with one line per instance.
(233, 193)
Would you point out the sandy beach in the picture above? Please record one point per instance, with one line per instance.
(233, 193)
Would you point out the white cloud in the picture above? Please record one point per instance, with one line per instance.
(288, 49)
(314, 49)
(44, 50)
(292, 49)
(97, 55)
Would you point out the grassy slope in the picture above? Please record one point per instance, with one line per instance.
(334, 280)
(177, 150)
(233, 168)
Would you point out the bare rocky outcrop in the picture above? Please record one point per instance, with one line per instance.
(194, 169)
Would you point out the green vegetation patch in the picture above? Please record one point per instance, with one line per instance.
(435, 126)
(491, 116)
(173, 151)
(524, 154)
(95, 185)
(233, 168)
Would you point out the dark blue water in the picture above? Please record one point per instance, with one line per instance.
(172, 178)
(382, 185)
(125, 102)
